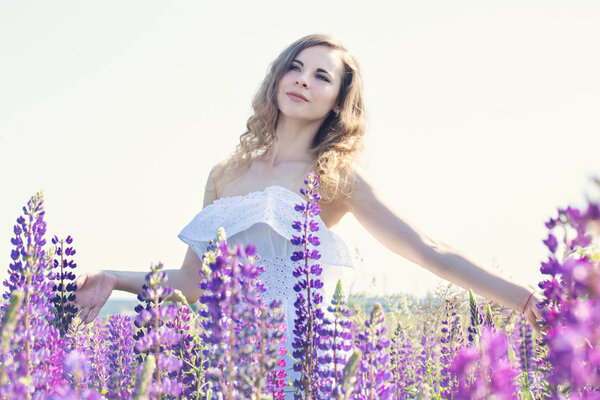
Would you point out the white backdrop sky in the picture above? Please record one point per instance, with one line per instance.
(482, 119)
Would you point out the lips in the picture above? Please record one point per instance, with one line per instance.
(296, 96)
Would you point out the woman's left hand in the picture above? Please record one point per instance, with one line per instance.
(534, 315)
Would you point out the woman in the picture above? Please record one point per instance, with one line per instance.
(309, 117)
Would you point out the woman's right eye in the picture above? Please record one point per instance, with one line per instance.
(294, 66)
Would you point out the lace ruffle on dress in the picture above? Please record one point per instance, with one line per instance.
(264, 219)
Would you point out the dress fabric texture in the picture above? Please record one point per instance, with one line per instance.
(264, 219)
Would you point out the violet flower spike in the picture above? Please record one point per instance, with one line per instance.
(335, 336)
(374, 376)
(63, 285)
(572, 305)
(308, 310)
(476, 319)
(402, 363)
(120, 357)
(30, 364)
(451, 341)
(485, 372)
(242, 334)
(523, 346)
(154, 336)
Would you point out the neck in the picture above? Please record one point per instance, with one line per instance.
(293, 139)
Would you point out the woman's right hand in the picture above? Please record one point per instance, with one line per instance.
(93, 290)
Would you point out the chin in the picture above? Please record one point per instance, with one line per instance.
(293, 114)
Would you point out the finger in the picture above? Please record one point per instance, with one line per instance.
(78, 312)
(83, 314)
(75, 303)
(537, 328)
(93, 313)
(533, 324)
(80, 281)
(531, 318)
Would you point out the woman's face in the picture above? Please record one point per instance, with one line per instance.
(315, 74)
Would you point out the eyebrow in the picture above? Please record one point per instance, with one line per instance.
(318, 69)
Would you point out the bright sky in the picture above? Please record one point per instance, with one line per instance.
(482, 119)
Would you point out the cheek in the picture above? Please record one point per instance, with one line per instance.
(285, 79)
(328, 95)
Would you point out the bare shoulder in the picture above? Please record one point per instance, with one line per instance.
(219, 169)
(352, 182)
(213, 187)
(362, 188)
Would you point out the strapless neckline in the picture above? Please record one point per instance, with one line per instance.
(270, 187)
(259, 191)
(272, 206)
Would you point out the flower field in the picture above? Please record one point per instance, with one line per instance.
(232, 345)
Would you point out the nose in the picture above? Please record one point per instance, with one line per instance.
(301, 81)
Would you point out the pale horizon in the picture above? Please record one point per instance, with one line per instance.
(482, 121)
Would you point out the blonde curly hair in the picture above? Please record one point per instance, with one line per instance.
(339, 140)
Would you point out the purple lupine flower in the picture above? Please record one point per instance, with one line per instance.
(523, 347)
(89, 342)
(308, 301)
(98, 354)
(345, 386)
(143, 382)
(184, 349)
(451, 341)
(120, 357)
(421, 370)
(573, 346)
(401, 358)
(543, 369)
(374, 376)
(427, 366)
(336, 337)
(485, 372)
(476, 318)
(153, 336)
(64, 296)
(463, 369)
(34, 340)
(489, 317)
(68, 393)
(242, 333)
(77, 337)
(8, 327)
(422, 358)
(191, 349)
(268, 355)
(29, 259)
(551, 242)
(76, 364)
(276, 377)
(552, 267)
(49, 375)
(577, 234)
(190, 352)
(572, 299)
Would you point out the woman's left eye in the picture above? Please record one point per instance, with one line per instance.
(322, 77)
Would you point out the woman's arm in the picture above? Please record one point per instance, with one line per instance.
(94, 288)
(405, 239)
(185, 279)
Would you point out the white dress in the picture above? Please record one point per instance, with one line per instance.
(264, 219)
